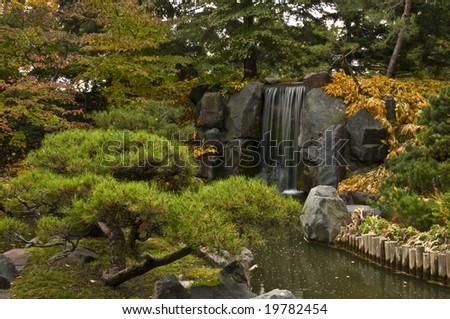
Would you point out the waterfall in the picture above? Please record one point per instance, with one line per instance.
(281, 128)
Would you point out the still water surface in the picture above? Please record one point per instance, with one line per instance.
(314, 271)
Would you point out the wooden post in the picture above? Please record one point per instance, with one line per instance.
(405, 258)
(412, 261)
(360, 244)
(398, 257)
(352, 242)
(426, 265)
(382, 250)
(419, 260)
(442, 268)
(390, 253)
(447, 257)
(434, 265)
(367, 240)
(373, 248)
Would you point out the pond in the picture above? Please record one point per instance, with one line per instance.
(315, 271)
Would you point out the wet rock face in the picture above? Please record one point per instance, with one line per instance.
(323, 215)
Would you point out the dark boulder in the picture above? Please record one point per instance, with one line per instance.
(244, 111)
(222, 291)
(326, 160)
(8, 272)
(319, 112)
(367, 137)
(210, 110)
(170, 288)
(316, 80)
(234, 272)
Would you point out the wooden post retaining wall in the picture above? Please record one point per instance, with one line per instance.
(415, 261)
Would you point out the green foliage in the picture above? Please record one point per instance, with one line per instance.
(159, 118)
(34, 98)
(123, 203)
(409, 208)
(443, 213)
(420, 174)
(416, 193)
(436, 119)
(43, 192)
(10, 227)
(125, 155)
(242, 209)
(124, 56)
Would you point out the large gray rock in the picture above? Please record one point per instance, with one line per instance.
(323, 215)
(18, 257)
(326, 160)
(277, 294)
(319, 112)
(224, 258)
(210, 111)
(7, 272)
(234, 272)
(170, 288)
(366, 137)
(316, 80)
(244, 110)
(222, 291)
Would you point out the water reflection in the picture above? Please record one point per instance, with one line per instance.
(314, 271)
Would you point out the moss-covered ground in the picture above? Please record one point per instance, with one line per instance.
(68, 278)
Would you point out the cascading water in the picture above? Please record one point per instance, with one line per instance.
(281, 128)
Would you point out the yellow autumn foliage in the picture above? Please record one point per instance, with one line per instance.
(409, 94)
(368, 182)
(204, 149)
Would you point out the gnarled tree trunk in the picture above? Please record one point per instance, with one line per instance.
(117, 245)
(117, 278)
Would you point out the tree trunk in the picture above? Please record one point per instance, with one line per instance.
(250, 61)
(150, 263)
(400, 38)
(117, 245)
(132, 237)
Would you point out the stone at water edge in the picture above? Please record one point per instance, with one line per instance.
(170, 288)
(222, 291)
(277, 294)
(234, 272)
(323, 214)
(7, 272)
